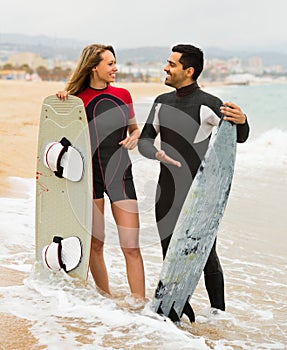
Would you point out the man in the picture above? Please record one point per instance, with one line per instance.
(184, 118)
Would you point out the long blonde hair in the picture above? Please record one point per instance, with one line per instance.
(90, 58)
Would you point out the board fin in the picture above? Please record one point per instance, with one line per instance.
(188, 311)
(173, 315)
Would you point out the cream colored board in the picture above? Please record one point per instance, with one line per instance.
(63, 207)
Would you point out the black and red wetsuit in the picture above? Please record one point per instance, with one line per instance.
(109, 111)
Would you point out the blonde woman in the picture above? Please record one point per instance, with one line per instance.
(113, 131)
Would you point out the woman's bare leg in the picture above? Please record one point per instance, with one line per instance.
(125, 213)
(97, 262)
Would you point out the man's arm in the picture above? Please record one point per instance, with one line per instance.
(146, 141)
(149, 133)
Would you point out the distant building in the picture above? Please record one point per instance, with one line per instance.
(255, 65)
(152, 72)
(11, 74)
(239, 79)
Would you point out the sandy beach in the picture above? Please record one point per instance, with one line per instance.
(37, 314)
(20, 106)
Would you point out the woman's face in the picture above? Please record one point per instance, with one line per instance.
(106, 70)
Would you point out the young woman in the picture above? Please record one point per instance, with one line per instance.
(113, 131)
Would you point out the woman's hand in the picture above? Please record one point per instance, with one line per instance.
(62, 95)
(129, 142)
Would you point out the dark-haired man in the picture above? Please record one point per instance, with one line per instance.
(184, 118)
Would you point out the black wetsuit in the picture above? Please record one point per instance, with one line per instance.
(184, 119)
(108, 112)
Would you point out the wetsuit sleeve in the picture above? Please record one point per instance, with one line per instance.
(242, 132)
(149, 132)
(129, 102)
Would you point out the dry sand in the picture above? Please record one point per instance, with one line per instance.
(20, 106)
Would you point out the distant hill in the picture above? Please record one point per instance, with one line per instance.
(69, 49)
(45, 46)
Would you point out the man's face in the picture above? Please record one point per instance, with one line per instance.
(176, 76)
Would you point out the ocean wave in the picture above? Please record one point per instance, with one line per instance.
(268, 150)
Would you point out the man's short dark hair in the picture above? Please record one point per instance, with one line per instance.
(191, 56)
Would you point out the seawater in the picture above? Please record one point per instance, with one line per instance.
(251, 244)
(264, 104)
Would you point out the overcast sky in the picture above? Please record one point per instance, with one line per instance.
(133, 23)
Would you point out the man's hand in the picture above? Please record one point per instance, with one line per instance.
(163, 157)
(233, 113)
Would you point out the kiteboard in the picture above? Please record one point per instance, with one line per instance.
(63, 188)
(197, 225)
